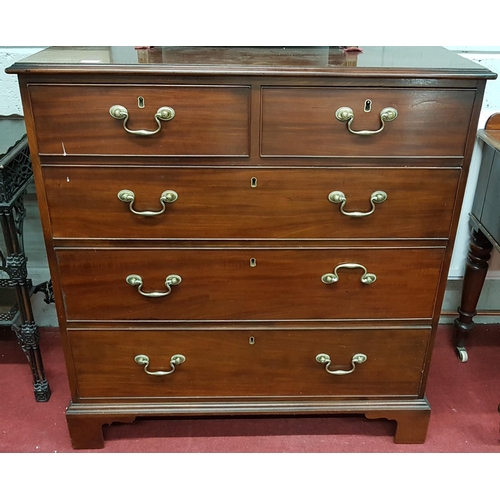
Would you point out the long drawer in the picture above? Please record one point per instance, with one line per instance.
(250, 202)
(249, 284)
(239, 364)
(76, 120)
(302, 122)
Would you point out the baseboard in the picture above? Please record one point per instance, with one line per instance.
(488, 307)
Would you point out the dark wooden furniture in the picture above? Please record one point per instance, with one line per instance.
(485, 232)
(249, 231)
(15, 286)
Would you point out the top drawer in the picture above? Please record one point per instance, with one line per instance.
(302, 122)
(76, 120)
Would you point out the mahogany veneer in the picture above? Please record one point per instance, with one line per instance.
(255, 320)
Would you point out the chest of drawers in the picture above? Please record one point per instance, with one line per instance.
(249, 231)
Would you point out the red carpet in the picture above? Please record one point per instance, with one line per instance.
(464, 398)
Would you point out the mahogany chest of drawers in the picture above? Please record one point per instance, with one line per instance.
(249, 231)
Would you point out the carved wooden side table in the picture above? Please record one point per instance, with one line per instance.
(15, 175)
(485, 232)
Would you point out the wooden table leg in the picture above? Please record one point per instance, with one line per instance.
(475, 273)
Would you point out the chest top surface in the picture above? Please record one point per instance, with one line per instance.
(432, 62)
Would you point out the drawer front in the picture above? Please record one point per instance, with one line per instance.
(228, 364)
(76, 120)
(302, 122)
(226, 284)
(250, 203)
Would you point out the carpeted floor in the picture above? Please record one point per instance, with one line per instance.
(464, 398)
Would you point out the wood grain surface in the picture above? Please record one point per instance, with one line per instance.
(225, 364)
(221, 202)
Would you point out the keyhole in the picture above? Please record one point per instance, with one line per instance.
(253, 262)
(368, 105)
(140, 101)
(253, 182)
(251, 340)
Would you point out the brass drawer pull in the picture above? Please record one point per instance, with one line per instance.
(367, 278)
(128, 196)
(143, 360)
(164, 113)
(339, 197)
(346, 114)
(171, 280)
(357, 359)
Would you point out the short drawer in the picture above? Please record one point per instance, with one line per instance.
(302, 122)
(249, 284)
(75, 120)
(242, 364)
(220, 203)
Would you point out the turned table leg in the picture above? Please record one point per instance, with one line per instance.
(475, 273)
